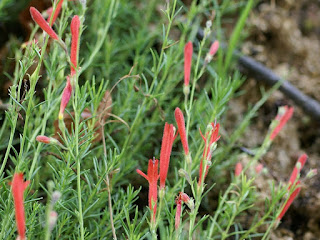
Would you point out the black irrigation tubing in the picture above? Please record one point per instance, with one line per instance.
(252, 68)
(267, 76)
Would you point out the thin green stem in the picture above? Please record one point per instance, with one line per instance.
(33, 81)
(5, 159)
(197, 193)
(231, 221)
(156, 73)
(77, 158)
(266, 234)
(47, 114)
(159, 209)
(48, 211)
(108, 185)
(219, 209)
(258, 224)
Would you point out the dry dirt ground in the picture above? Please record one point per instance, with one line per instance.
(285, 36)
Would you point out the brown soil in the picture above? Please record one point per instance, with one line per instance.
(284, 36)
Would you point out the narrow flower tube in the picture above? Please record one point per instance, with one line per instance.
(182, 198)
(75, 27)
(293, 195)
(66, 94)
(178, 213)
(213, 50)
(49, 140)
(55, 13)
(43, 24)
(49, 13)
(166, 148)
(213, 136)
(18, 187)
(152, 178)
(283, 116)
(296, 170)
(43, 139)
(238, 169)
(188, 50)
(187, 200)
(182, 130)
(259, 168)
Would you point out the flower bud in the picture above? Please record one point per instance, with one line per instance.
(53, 219)
(55, 13)
(184, 174)
(75, 28)
(312, 173)
(259, 168)
(213, 49)
(187, 200)
(209, 24)
(56, 195)
(188, 50)
(38, 18)
(43, 139)
(298, 165)
(186, 90)
(66, 95)
(238, 169)
(47, 140)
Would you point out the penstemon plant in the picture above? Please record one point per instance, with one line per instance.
(112, 79)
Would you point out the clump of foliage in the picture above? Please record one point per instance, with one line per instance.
(111, 74)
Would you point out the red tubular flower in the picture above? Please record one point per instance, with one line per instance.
(187, 200)
(259, 168)
(49, 13)
(43, 24)
(18, 187)
(207, 152)
(182, 129)
(238, 169)
(66, 94)
(296, 170)
(43, 139)
(55, 13)
(75, 26)
(188, 50)
(152, 178)
(283, 116)
(214, 48)
(289, 202)
(178, 213)
(214, 137)
(166, 147)
(182, 198)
